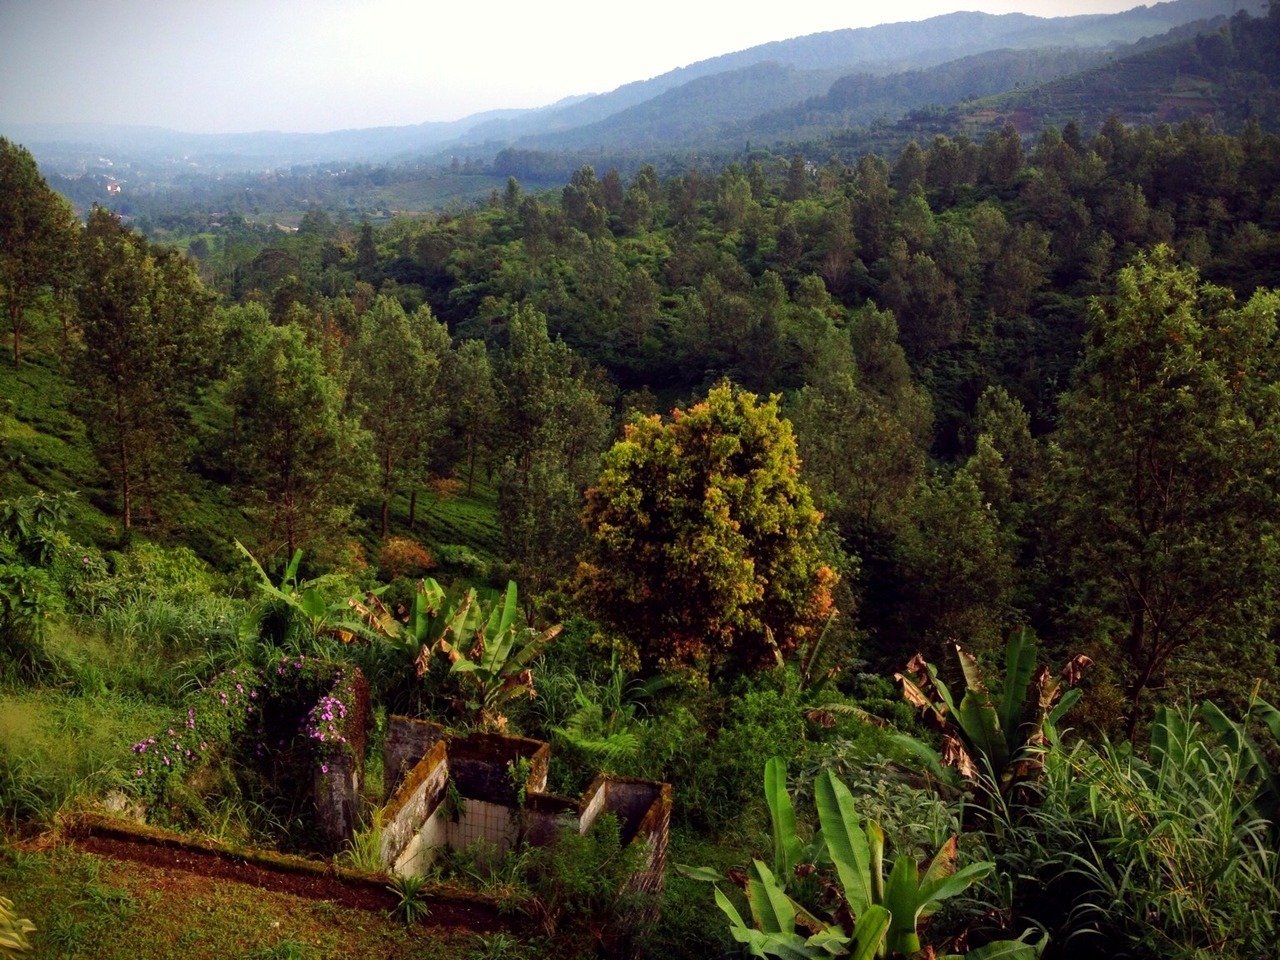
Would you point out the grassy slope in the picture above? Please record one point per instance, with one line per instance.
(54, 744)
(44, 446)
(84, 906)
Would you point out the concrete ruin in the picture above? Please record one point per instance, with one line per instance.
(490, 790)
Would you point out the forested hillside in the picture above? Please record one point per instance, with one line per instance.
(930, 292)
(755, 434)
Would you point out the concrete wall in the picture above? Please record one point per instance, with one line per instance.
(410, 811)
(544, 816)
(483, 766)
(462, 794)
(336, 783)
(490, 829)
(643, 808)
(407, 742)
(337, 797)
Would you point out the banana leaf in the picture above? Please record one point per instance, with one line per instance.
(772, 909)
(786, 845)
(1019, 665)
(846, 842)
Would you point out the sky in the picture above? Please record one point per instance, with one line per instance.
(235, 66)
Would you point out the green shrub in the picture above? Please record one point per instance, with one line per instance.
(461, 561)
(28, 601)
(1159, 856)
(580, 883)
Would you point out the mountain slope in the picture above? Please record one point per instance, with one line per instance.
(1231, 74)
(714, 99)
(685, 114)
(678, 108)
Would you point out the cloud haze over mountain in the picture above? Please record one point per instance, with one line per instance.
(318, 65)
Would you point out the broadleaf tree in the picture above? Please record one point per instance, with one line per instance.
(704, 545)
(1165, 480)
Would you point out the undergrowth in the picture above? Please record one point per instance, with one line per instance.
(56, 745)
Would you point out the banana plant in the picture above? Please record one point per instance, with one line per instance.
(492, 661)
(13, 930)
(306, 604)
(911, 894)
(986, 738)
(774, 931)
(488, 650)
(887, 914)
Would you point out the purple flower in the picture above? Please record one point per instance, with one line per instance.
(324, 768)
(138, 771)
(166, 761)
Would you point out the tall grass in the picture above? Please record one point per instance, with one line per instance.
(55, 745)
(1155, 856)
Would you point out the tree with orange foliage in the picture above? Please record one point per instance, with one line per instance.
(704, 549)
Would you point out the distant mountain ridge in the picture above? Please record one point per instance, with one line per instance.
(747, 94)
(879, 50)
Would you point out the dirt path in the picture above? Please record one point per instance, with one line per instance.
(297, 877)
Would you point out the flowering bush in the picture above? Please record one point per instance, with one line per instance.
(261, 710)
(402, 557)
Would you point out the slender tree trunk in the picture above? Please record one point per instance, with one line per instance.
(1137, 640)
(290, 527)
(386, 490)
(471, 465)
(15, 323)
(65, 316)
(126, 490)
(413, 507)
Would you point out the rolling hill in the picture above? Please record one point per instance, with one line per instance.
(780, 90)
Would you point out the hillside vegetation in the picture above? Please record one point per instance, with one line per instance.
(993, 416)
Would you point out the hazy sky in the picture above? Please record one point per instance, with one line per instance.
(316, 65)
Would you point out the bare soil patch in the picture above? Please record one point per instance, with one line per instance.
(175, 860)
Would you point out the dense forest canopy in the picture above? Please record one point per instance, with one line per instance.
(921, 318)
